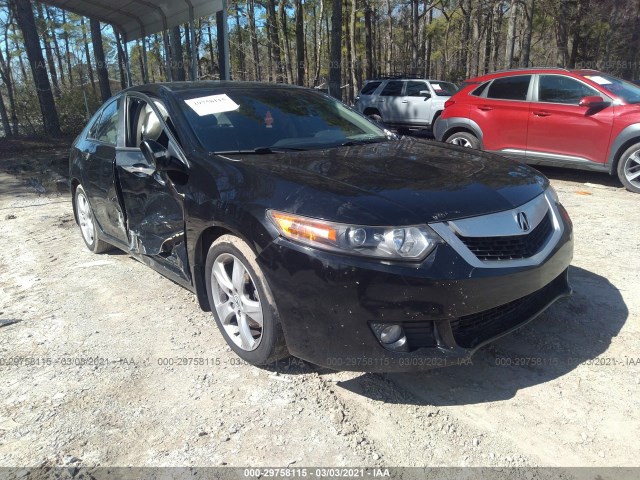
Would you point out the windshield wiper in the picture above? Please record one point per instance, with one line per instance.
(260, 151)
(351, 143)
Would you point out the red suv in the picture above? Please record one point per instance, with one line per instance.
(578, 119)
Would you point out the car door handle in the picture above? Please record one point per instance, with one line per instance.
(139, 170)
(485, 108)
(405, 101)
(380, 101)
(541, 113)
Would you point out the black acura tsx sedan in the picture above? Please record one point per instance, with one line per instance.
(308, 230)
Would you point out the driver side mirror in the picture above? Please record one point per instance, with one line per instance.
(425, 93)
(160, 157)
(593, 102)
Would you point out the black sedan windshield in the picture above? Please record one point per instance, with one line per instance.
(262, 120)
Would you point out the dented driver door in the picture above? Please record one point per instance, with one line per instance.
(153, 202)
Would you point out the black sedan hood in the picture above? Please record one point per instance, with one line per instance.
(403, 182)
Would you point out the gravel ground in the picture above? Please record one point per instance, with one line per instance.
(94, 336)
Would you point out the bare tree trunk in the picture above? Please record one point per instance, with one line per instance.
(488, 39)
(319, 45)
(528, 33)
(284, 37)
(56, 46)
(300, 42)
(241, 58)
(389, 41)
(211, 49)
(274, 41)
(121, 61)
(353, 65)
(511, 34)
(101, 64)
(368, 45)
(7, 78)
(67, 52)
(6, 126)
(427, 66)
(177, 56)
(335, 64)
(632, 50)
(26, 22)
(44, 31)
(87, 54)
(562, 33)
(251, 20)
(415, 34)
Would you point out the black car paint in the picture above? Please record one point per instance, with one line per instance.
(168, 224)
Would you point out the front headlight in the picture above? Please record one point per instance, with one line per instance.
(399, 243)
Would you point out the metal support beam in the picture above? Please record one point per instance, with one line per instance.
(222, 29)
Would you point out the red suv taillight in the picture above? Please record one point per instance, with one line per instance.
(448, 103)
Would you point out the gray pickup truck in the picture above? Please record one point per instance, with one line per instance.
(404, 103)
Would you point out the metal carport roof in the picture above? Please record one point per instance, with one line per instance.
(136, 19)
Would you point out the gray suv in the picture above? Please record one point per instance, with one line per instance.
(404, 103)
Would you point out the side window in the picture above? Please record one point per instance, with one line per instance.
(560, 89)
(392, 89)
(510, 88)
(106, 129)
(144, 123)
(414, 88)
(369, 88)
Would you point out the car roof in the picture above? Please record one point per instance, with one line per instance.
(524, 71)
(403, 79)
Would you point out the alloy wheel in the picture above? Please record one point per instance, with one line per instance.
(460, 141)
(632, 168)
(236, 301)
(85, 218)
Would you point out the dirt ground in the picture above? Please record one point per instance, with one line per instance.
(86, 342)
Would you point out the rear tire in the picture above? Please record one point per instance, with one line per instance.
(629, 168)
(376, 118)
(464, 139)
(87, 222)
(242, 303)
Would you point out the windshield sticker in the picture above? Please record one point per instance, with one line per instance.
(212, 104)
(436, 86)
(598, 79)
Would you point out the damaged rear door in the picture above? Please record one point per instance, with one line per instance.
(153, 200)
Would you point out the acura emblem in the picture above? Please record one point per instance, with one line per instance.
(523, 221)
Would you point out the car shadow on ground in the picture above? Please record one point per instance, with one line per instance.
(580, 176)
(573, 331)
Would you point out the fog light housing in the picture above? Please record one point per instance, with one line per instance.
(392, 337)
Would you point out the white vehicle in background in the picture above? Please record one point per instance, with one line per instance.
(404, 103)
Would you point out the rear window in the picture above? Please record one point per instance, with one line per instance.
(369, 88)
(510, 88)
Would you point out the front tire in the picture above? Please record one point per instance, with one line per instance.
(464, 139)
(629, 168)
(242, 303)
(87, 222)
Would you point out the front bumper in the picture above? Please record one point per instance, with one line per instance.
(447, 307)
